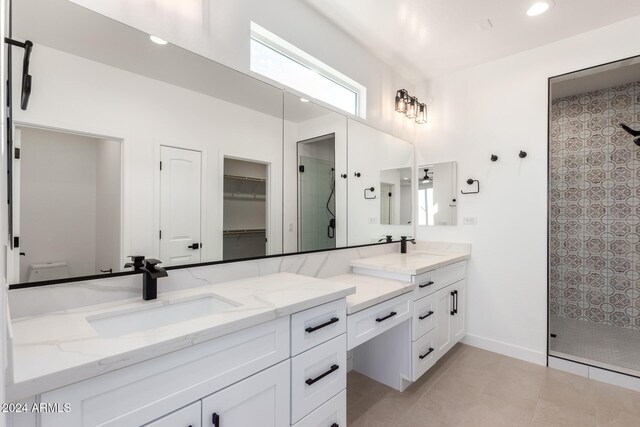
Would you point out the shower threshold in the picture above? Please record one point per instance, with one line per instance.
(603, 346)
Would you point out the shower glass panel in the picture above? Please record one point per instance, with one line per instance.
(594, 216)
(317, 203)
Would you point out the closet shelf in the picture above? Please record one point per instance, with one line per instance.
(244, 231)
(245, 178)
(244, 196)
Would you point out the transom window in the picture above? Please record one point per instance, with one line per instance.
(279, 60)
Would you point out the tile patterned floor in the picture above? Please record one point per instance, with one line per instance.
(473, 387)
(609, 347)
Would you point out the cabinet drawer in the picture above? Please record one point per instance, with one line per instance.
(424, 316)
(424, 354)
(191, 416)
(450, 274)
(317, 375)
(425, 284)
(260, 400)
(317, 325)
(366, 324)
(137, 394)
(331, 414)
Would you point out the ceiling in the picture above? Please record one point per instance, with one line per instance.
(422, 39)
(601, 77)
(65, 26)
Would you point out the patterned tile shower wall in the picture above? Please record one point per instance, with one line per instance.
(594, 207)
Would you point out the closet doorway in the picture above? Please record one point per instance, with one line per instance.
(244, 209)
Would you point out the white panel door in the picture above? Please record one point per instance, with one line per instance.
(261, 400)
(459, 321)
(180, 205)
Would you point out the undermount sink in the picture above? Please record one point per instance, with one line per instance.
(131, 320)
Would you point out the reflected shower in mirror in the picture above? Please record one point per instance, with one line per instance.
(396, 196)
(315, 167)
(437, 194)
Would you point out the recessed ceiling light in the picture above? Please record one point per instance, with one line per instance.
(538, 8)
(304, 100)
(157, 40)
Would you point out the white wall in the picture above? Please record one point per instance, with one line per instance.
(108, 205)
(144, 114)
(219, 29)
(500, 108)
(58, 200)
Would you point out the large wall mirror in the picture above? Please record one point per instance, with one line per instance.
(129, 147)
(437, 194)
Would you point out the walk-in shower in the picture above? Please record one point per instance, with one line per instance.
(594, 217)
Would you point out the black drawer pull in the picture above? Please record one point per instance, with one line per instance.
(316, 379)
(382, 319)
(426, 315)
(427, 353)
(315, 328)
(335, 425)
(424, 285)
(215, 419)
(453, 303)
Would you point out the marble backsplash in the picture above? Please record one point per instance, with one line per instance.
(45, 299)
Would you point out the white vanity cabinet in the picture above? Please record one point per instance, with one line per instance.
(451, 315)
(190, 416)
(260, 400)
(282, 372)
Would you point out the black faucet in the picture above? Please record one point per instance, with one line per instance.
(403, 243)
(150, 275)
(387, 239)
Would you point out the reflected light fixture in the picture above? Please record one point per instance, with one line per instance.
(157, 40)
(539, 7)
(427, 178)
(402, 97)
(421, 114)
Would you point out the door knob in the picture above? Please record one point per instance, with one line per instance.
(195, 246)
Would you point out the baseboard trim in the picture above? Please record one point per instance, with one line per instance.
(506, 349)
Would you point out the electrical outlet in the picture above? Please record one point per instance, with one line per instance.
(291, 227)
(373, 220)
(470, 220)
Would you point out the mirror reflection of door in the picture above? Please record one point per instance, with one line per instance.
(244, 209)
(67, 201)
(316, 193)
(180, 206)
(386, 203)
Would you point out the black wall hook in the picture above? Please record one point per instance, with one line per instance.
(494, 158)
(522, 154)
(470, 182)
(371, 189)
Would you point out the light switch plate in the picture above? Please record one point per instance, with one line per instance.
(470, 220)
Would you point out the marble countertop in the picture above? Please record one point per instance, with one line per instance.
(414, 262)
(371, 290)
(56, 349)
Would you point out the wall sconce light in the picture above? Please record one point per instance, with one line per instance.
(421, 116)
(410, 106)
(402, 96)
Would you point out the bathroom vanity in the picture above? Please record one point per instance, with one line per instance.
(269, 350)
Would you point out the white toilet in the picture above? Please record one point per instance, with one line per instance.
(48, 271)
